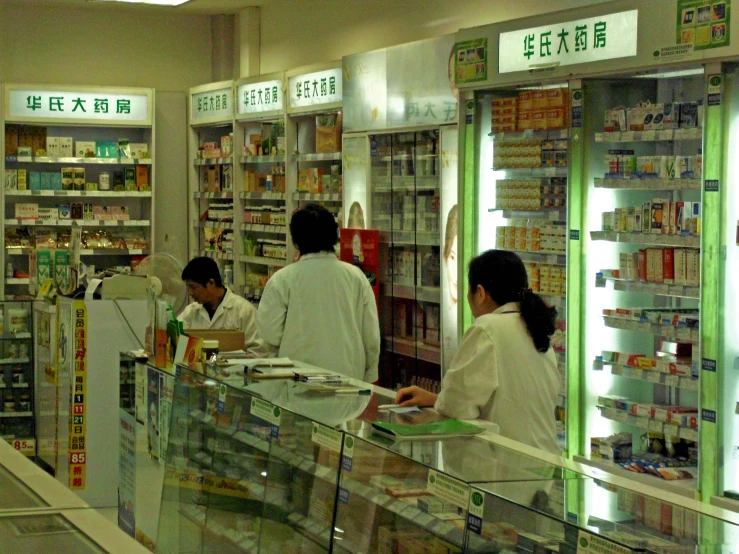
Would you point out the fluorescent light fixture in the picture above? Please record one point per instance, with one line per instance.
(673, 74)
(150, 2)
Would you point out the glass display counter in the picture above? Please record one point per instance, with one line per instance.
(267, 466)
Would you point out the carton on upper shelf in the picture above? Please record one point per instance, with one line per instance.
(229, 340)
(139, 150)
(66, 147)
(52, 147)
(328, 133)
(85, 149)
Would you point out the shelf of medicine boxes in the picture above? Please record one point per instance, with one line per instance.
(672, 333)
(404, 183)
(263, 260)
(549, 134)
(264, 228)
(315, 197)
(79, 161)
(648, 239)
(80, 193)
(217, 255)
(533, 172)
(317, 157)
(541, 256)
(650, 136)
(411, 238)
(214, 224)
(80, 222)
(655, 289)
(647, 183)
(651, 424)
(685, 382)
(553, 214)
(413, 349)
(223, 195)
(213, 161)
(262, 195)
(87, 252)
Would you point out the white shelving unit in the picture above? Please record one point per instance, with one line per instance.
(39, 120)
(211, 174)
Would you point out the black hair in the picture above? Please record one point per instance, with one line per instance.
(313, 229)
(201, 270)
(503, 276)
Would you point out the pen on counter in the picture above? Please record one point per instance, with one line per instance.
(387, 406)
(361, 392)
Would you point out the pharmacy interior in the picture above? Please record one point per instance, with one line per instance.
(592, 143)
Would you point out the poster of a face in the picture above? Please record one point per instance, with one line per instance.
(354, 156)
(449, 245)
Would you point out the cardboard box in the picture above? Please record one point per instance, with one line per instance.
(668, 265)
(680, 267)
(508, 101)
(142, 177)
(44, 263)
(328, 133)
(139, 150)
(26, 211)
(556, 98)
(229, 340)
(61, 269)
(538, 100)
(52, 147)
(642, 264)
(22, 180)
(11, 140)
(129, 177)
(539, 119)
(658, 215)
(66, 147)
(67, 178)
(48, 213)
(556, 118)
(79, 178)
(693, 267)
(11, 179)
(85, 149)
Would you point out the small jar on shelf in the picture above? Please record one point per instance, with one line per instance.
(8, 403)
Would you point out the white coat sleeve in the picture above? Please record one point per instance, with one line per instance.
(272, 313)
(188, 315)
(473, 378)
(252, 342)
(370, 333)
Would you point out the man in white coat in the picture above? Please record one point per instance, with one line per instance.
(216, 307)
(321, 310)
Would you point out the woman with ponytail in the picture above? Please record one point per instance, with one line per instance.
(505, 370)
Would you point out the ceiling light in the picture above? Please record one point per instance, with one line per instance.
(151, 2)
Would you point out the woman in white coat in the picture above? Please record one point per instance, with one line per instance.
(505, 370)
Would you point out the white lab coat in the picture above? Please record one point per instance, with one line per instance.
(234, 312)
(322, 311)
(498, 375)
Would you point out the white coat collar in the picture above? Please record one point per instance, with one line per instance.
(227, 303)
(510, 307)
(316, 255)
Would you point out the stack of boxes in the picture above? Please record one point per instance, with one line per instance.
(657, 216)
(624, 164)
(646, 116)
(533, 235)
(274, 181)
(536, 110)
(675, 317)
(529, 153)
(315, 181)
(671, 266)
(547, 279)
(530, 194)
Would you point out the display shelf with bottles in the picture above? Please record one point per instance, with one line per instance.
(409, 221)
(644, 222)
(211, 175)
(17, 382)
(76, 154)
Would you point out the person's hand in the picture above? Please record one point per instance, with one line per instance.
(415, 396)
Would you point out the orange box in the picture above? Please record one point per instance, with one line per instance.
(503, 128)
(503, 119)
(509, 101)
(524, 121)
(555, 118)
(525, 101)
(538, 100)
(539, 119)
(504, 110)
(556, 98)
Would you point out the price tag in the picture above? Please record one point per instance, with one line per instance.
(593, 544)
(447, 488)
(653, 377)
(655, 426)
(666, 134)
(649, 135)
(672, 380)
(347, 455)
(671, 430)
(642, 422)
(552, 260)
(326, 437)
(636, 373)
(27, 447)
(621, 417)
(110, 223)
(475, 513)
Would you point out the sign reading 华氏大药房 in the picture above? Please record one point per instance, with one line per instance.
(315, 89)
(255, 98)
(212, 104)
(572, 42)
(101, 106)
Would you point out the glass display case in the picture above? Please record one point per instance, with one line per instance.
(249, 471)
(17, 421)
(405, 188)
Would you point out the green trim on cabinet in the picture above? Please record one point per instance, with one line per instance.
(576, 205)
(468, 197)
(713, 142)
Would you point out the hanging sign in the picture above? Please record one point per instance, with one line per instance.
(255, 98)
(471, 61)
(703, 24)
(78, 424)
(585, 40)
(25, 104)
(212, 104)
(315, 89)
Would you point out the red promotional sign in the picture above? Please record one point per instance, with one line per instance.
(361, 248)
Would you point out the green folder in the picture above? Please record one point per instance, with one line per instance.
(435, 430)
